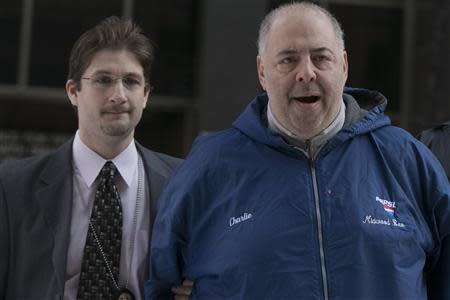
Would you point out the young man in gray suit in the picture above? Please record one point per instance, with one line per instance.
(53, 240)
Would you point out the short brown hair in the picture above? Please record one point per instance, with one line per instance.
(111, 33)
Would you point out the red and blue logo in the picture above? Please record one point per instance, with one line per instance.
(388, 206)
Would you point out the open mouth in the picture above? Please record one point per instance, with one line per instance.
(308, 99)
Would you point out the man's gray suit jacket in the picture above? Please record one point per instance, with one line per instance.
(35, 216)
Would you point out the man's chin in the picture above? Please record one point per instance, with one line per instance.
(306, 124)
(117, 130)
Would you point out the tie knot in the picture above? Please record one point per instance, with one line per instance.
(109, 170)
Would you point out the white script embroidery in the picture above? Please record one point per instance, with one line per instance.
(387, 222)
(236, 220)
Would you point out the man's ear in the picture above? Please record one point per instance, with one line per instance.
(260, 69)
(72, 91)
(345, 65)
(147, 93)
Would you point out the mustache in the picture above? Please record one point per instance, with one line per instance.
(120, 108)
(305, 89)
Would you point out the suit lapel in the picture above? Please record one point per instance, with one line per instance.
(55, 197)
(156, 176)
(156, 173)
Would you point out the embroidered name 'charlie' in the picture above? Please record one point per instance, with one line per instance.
(237, 220)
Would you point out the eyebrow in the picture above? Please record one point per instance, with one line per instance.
(105, 72)
(321, 49)
(293, 51)
(286, 52)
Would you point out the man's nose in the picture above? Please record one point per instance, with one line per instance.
(119, 91)
(306, 71)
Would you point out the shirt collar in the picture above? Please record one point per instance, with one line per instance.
(89, 163)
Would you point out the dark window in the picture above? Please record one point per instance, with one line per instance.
(162, 131)
(10, 18)
(171, 26)
(57, 24)
(373, 37)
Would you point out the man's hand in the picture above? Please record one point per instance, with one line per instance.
(183, 291)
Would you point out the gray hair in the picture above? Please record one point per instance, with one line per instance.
(268, 20)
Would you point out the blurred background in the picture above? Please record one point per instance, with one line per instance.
(205, 72)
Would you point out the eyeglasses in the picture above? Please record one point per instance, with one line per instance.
(105, 81)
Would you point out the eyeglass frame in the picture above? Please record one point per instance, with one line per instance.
(96, 81)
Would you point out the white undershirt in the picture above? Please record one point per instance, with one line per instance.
(87, 165)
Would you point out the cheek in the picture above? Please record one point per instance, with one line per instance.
(85, 113)
(137, 104)
(342, 78)
(332, 84)
(90, 109)
(144, 104)
(87, 107)
(277, 86)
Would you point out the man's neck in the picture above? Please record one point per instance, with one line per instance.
(106, 147)
(314, 143)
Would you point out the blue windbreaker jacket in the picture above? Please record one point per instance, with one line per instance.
(250, 217)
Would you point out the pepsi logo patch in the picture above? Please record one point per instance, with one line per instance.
(388, 206)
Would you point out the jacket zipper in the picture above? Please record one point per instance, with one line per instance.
(319, 220)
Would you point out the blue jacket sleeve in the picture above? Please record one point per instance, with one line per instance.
(178, 208)
(168, 244)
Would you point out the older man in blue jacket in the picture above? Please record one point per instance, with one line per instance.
(312, 194)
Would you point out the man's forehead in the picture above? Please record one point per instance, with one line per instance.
(305, 18)
(293, 26)
(114, 61)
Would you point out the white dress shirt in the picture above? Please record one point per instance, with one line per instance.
(133, 261)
